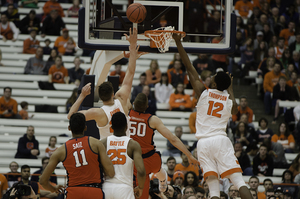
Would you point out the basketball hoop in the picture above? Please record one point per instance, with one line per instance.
(161, 37)
(127, 54)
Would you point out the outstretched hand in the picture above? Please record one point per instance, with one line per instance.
(231, 77)
(193, 161)
(176, 36)
(132, 38)
(86, 90)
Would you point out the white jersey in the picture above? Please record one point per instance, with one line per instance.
(123, 164)
(106, 130)
(213, 113)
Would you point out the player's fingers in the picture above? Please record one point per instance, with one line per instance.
(137, 48)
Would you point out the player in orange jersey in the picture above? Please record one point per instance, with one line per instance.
(83, 157)
(214, 108)
(142, 127)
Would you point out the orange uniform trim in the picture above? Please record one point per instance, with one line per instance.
(231, 171)
(210, 173)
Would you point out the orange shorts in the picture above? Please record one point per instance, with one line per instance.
(84, 193)
(152, 165)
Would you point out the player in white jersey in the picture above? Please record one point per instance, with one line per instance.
(124, 152)
(214, 108)
(111, 103)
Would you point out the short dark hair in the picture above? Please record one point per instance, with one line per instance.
(254, 177)
(25, 166)
(140, 102)
(200, 189)
(105, 91)
(171, 158)
(51, 138)
(243, 97)
(23, 104)
(10, 89)
(263, 145)
(263, 119)
(119, 122)
(189, 187)
(77, 123)
(45, 158)
(281, 38)
(222, 80)
(143, 75)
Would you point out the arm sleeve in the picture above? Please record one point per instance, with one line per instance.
(274, 138)
(14, 29)
(250, 116)
(188, 101)
(291, 139)
(270, 167)
(27, 68)
(26, 46)
(22, 147)
(172, 101)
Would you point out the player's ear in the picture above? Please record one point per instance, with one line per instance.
(69, 128)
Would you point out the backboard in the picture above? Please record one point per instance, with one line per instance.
(102, 24)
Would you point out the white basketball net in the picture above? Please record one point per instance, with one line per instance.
(162, 40)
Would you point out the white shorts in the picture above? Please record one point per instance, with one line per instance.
(216, 156)
(117, 191)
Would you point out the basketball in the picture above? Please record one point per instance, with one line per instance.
(136, 13)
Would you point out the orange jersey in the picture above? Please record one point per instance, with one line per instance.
(10, 105)
(81, 163)
(24, 114)
(140, 130)
(191, 167)
(49, 151)
(58, 75)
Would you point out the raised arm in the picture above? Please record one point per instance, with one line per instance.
(139, 165)
(234, 109)
(157, 124)
(198, 86)
(125, 90)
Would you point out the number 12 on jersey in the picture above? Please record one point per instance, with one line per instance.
(214, 109)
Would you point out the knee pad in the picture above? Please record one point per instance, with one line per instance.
(214, 186)
(237, 180)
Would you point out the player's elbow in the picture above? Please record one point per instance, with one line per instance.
(142, 172)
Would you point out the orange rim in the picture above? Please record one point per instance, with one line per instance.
(148, 32)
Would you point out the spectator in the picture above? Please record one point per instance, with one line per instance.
(288, 32)
(51, 59)
(253, 184)
(3, 185)
(254, 19)
(238, 44)
(25, 174)
(176, 57)
(243, 108)
(243, 159)
(200, 193)
(171, 163)
(270, 193)
(28, 146)
(292, 80)
(260, 53)
(253, 193)
(286, 58)
(118, 72)
(153, 75)
(76, 73)
(177, 180)
(31, 21)
(233, 192)
(70, 47)
(259, 38)
(274, 19)
(295, 167)
(58, 73)
(265, 66)
(281, 92)
(219, 61)
(214, 23)
(279, 48)
(243, 135)
(8, 106)
(281, 25)
(36, 175)
(243, 8)
(138, 89)
(176, 75)
(268, 185)
(203, 63)
(73, 10)
(31, 44)
(190, 179)
(276, 151)
(295, 46)
(163, 89)
(263, 132)
(53, 5)
(292, 15)
(268, 34)
(71, 99)
(278, 193)
(270, 80)
(36, 65)
(171, 150)
(179, 101)
(53, 24)
(15, 177)
(23, 113)
(223, 195)
(51, 146)
(263, 19)
(247, 58)
(240, 26)
(284, 138)
(185, 166)
(45, 194)
(263, 163)
(296, 61)
(287, 180)
(60, 42)
(8, 30)
(188, 192)
(151, 100)
(30, 3)
(47, 49)
(12, 14)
